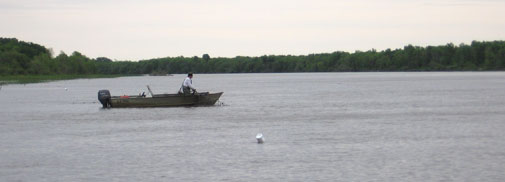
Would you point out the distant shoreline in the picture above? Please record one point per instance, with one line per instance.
(24, 58)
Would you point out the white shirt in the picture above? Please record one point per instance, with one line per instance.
(188, 83)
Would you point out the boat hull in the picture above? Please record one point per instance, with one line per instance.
(165, 100)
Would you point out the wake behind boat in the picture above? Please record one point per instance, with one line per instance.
(158, 100)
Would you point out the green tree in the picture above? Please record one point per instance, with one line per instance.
(206, 57)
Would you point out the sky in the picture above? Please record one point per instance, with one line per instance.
(145, 29)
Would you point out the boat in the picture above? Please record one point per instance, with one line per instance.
(158, 100)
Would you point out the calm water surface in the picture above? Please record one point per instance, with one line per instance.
(317, 127)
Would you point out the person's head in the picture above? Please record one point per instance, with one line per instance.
(190, 75)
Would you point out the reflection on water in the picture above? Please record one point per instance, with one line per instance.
(320, 126)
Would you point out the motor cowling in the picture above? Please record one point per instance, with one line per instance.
(104, 98)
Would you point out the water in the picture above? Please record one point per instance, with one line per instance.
(317, 127)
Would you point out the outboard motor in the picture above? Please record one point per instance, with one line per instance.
(104, 98)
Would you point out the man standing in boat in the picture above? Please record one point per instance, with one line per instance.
(187, 85)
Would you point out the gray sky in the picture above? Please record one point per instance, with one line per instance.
(135, 29)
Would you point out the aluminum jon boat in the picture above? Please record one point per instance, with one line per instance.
(157, 100)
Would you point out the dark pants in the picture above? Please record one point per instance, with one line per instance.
(186, 90)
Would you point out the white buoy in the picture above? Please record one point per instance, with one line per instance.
(66, 89)
(260, 138)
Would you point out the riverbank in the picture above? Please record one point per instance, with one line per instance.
(24, 79)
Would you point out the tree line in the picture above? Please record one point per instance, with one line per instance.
(23, 58)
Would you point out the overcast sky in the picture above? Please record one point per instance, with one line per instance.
(144, 29)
